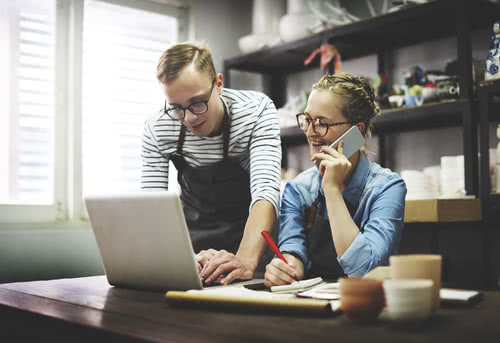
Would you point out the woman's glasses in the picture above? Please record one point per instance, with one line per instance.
(319, 126)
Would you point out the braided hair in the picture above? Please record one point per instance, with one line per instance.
(356, 98)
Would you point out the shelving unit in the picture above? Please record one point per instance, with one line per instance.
(372, 35)
(490, 202)
(377, 35)
(428, 116)
(488, 112)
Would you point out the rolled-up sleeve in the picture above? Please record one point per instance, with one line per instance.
(265, 156)
(292, 237)
(380, 235)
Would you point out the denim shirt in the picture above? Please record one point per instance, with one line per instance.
(377, 197)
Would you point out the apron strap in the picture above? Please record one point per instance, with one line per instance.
(320, 200)
(226, 126)
(312, 211)
(180, 141)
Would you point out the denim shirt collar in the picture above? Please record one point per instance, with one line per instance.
(358, 181)
(353, 192)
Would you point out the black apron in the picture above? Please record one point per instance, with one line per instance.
(320, 243)
(215, 198)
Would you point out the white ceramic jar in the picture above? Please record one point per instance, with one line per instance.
(266, 15)
(295, 24)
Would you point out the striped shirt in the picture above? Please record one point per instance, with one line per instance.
(254, 141)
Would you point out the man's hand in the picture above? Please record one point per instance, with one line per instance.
(217, 264)
(280, 273)
(204, 256)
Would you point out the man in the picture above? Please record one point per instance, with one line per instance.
(226, 147)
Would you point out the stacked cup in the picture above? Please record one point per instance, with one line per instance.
(418, 185)
(408, 299)
(413, 292)
(433, 173)
(452, 176)
(361, 299)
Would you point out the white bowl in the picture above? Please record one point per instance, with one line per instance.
(257, 41)
(295, 26)
(410, 314)
(408, 299)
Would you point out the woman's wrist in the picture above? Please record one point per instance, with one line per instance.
(296, 261)
(332, 190)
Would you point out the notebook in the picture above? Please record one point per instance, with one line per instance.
(144, 241)
(240, 298)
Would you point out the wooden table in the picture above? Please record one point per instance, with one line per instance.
(90, 310)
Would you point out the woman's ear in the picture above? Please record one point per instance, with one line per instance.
(361, 127)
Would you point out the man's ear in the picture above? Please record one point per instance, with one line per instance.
(219, 81)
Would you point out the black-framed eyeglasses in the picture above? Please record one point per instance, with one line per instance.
(199, 107)
(319, 126)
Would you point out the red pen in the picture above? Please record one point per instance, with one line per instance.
(273, 246)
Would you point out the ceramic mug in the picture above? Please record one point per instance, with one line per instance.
(419, 267)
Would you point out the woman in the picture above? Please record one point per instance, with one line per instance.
(344, 216)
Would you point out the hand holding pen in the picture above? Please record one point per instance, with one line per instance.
(273, 246)
(282, 270)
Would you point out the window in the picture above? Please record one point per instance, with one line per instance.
(120, 90)
(27, 121)
(80, 84)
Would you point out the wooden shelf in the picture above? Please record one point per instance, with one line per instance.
(433, 115)
(442, 210)
(405, 27)
(428, 116)
(377, 36)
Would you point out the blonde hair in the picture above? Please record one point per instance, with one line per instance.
(356, 98)
(178, 56)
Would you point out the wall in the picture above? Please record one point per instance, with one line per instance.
(221, 23)
(40, 254)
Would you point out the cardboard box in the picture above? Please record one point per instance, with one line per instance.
(442, 210)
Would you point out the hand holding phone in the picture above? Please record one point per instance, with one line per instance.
(353, 141)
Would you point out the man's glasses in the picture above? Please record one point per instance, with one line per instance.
(199, 107)
(319, 126)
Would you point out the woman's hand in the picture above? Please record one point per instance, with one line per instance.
(280, 273)
(334, 167)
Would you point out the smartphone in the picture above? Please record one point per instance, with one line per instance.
(353, 141)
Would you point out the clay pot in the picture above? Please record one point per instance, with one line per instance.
(361, 300)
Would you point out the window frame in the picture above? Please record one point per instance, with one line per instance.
(69, 207)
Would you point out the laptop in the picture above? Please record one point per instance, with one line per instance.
(144, 241)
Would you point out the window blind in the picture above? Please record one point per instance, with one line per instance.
(28, 46)
(120, 90)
